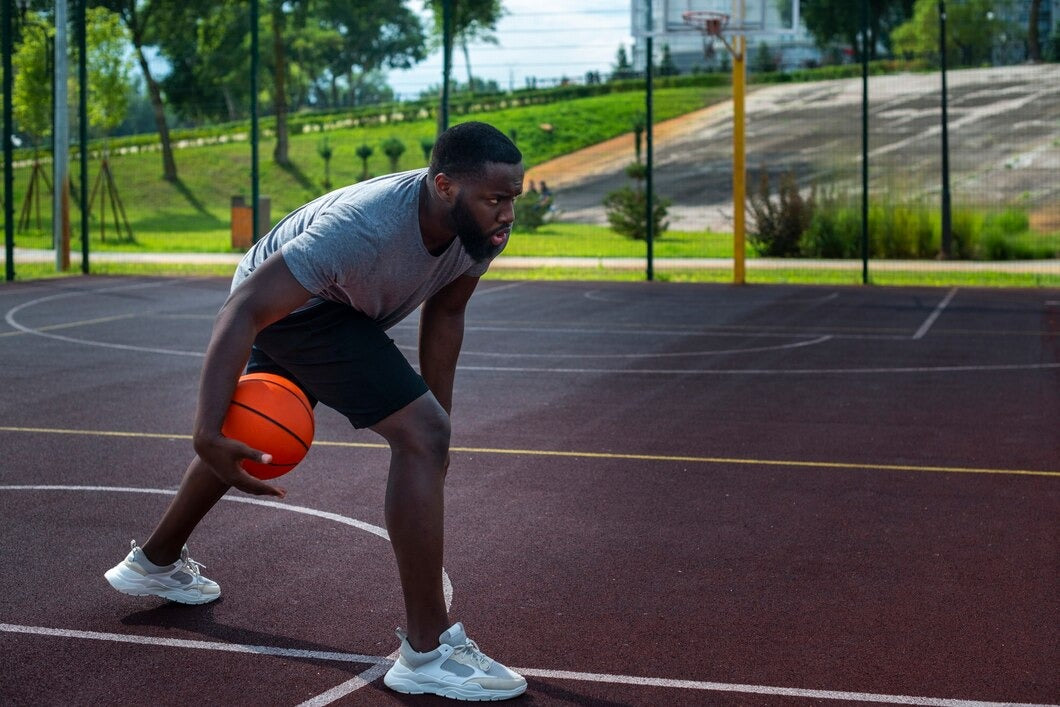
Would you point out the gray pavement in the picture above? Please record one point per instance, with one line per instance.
(1004, 132)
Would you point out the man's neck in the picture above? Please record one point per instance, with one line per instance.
(434, 221)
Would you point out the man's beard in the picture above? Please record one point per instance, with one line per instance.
(475, 241)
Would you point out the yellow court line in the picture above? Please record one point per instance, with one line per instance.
(591, 455)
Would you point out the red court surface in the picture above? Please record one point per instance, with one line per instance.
(659, 494)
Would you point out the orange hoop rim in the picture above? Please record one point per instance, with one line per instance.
(707, 21)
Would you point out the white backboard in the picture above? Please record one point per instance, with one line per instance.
(745, 16)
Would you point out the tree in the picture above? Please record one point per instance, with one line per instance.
(31, 97)
(142, 19)
(764, 59)
(279, 73)
(840, 20)
(364, 152)
(622, 68)
(969, 35)
(376, 34)
(108, 69)
(393, 148)
(627, 207)
(208, 76)
(427, 146)
(667, 67)
(1034, 47)
(473, 21)
(325, 151)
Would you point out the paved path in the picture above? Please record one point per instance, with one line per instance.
(1004, 146)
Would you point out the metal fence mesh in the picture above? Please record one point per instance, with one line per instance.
(580, 122)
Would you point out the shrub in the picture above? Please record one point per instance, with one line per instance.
(393, 148)
(834, 230)
(364, 152)
(326, 152)
(901, 231)
(778, 226)
(427, 145)
(627, 207)
(530, 213)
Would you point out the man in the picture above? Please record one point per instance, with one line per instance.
(311, 301)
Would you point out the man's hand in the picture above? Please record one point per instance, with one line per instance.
(223, 455)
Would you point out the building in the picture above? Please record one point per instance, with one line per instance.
(772, 23)
(777, 25)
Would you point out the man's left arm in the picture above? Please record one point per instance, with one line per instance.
(441, 335)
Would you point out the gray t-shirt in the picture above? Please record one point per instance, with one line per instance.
(361, 245)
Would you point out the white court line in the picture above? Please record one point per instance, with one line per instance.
(198, 645)
(70, 325)
(934, 315)
(653, 354)
(363, 680)
(381, 665)
(10, 319)
(768, 690)
(498, 288)
(341, 690)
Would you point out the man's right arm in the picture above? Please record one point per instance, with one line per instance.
(268, 295)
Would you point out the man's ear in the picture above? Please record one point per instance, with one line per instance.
(446, 187)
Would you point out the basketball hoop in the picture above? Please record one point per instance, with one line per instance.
(711, 24)
(708, 22)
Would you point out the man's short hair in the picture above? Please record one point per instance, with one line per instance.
(464, 150)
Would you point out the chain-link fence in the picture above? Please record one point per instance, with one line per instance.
(169, 125)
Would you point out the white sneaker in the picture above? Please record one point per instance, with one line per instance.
(180, 582)
(456, 669)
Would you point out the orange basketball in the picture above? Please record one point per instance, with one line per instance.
(273, 415)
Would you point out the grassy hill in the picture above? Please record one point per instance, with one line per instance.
(194, 214)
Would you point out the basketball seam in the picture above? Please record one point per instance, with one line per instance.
(299, 396)
(301, 400)
(279, 424)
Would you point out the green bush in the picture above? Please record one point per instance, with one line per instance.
(530, 213)
(779, 226)
(902, 232)
(626, 210)
(913, 230)
(964, 231)
(834, 230)
(393, 148)
(364, 151)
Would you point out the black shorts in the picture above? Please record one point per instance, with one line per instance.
(340, 358)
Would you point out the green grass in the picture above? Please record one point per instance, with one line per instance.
(194, 214)
(584, 240)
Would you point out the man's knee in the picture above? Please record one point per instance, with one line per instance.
(422, 427)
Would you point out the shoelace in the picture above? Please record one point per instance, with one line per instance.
(471, 649)
(191, 565)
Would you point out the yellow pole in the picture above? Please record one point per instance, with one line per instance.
(739, 174)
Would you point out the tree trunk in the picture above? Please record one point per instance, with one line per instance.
(230, 105)
(1034, 47)
(467, 63)
(169, 166)
(279, 153)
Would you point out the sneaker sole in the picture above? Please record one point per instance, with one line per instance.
(401, 679)
(133, 584)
